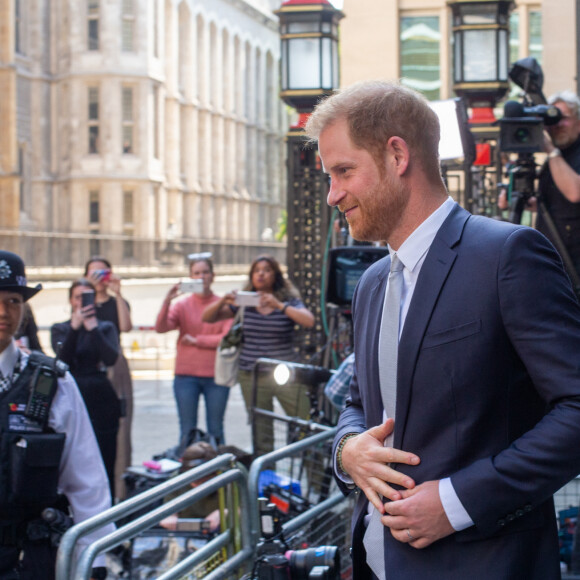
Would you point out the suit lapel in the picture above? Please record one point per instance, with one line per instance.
(434, 272)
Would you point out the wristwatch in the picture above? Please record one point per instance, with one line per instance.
(554, 153)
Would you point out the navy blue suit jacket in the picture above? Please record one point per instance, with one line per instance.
(488, 394)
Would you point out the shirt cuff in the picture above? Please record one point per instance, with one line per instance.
(454, 510)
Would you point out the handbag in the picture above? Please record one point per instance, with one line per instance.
(227, 356)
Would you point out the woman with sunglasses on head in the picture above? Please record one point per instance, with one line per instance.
(111, 306)
(196, 348)
(268, 332)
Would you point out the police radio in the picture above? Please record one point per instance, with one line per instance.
(42, 389)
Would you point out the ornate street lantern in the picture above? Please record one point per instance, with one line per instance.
(310, 65)
(309, 71)
(481, 49)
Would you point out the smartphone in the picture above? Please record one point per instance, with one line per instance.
(103, 275)
(87, 298)
(247, 298)
(194, 285)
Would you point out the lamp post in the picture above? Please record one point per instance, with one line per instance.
(309, 70)
(480, 75)
(481, 53)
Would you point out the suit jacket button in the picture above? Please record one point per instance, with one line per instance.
(528, 508)
(501, 523)
(519, 513)
(510, 517)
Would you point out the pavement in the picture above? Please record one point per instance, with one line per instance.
(155, 423)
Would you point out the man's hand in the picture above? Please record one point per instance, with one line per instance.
(419, 518)
(366, 460)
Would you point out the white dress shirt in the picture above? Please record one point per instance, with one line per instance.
(83, 479)
(412, 254)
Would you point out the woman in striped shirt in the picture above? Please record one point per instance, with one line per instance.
(268, 331)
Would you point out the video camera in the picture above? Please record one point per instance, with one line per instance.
(522, 132)
(275, 561)
(522, 127)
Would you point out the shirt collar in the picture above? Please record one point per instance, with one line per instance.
(8, 358)
(419, 242)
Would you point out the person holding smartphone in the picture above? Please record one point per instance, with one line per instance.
(111, 306)
(197, 343)
(272, 309)
(89, 345)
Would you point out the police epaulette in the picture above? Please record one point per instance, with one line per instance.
(37, 358)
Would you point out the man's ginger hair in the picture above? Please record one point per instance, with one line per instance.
(375, 111)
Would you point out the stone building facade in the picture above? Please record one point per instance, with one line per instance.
(140, 129)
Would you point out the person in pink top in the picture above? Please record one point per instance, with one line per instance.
(196, 349)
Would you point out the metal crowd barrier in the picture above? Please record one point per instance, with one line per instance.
(65, 569)
(241, 541)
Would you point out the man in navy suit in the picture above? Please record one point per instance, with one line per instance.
(487, 418)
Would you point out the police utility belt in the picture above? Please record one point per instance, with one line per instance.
(30, 451)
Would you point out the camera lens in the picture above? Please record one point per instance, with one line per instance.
(302, 561)
(522, 135)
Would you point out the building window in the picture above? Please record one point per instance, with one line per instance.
(514, 36)
(94, 245)
(156, 24)
(420, 54)
(536, 47)
(93, 120)
(128, 122)
(128, 209)
(128, 225)
(94, 222)
(93, 24)
(22, 178)
(18, 26)
(128, 26)
(156, 121)
(94, 208)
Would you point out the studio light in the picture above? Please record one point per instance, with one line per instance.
(456, 144)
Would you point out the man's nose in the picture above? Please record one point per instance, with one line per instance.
(335, 194)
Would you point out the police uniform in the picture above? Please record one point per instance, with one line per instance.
(82, 478)
(40, 460)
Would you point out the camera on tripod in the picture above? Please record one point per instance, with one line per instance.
(275, 561)
(522, 132)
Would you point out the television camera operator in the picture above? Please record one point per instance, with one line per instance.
(559, 181)
(48, 451)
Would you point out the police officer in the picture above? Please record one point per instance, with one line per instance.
(48, 450)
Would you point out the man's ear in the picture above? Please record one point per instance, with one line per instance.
(398, 154)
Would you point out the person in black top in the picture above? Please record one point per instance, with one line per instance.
(89, 346)
(112, 307)
(559, 184)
